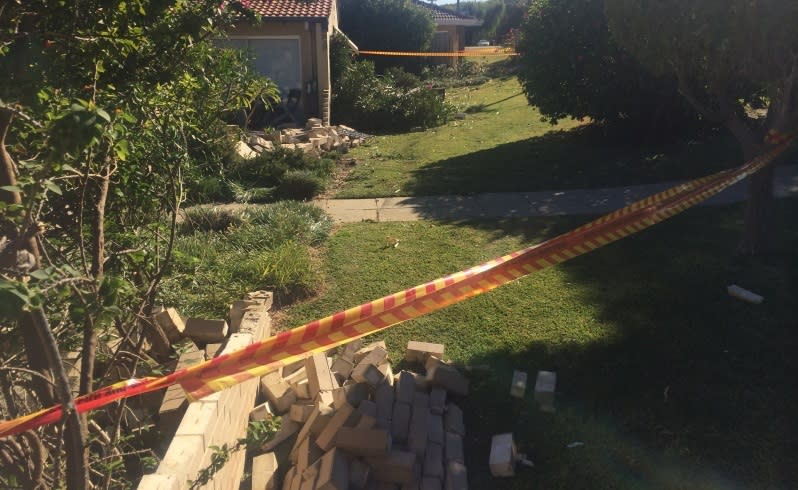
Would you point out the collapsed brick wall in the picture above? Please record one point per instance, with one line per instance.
(215, 420)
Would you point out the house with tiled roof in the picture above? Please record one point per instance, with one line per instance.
(292, 47)
(450, 28)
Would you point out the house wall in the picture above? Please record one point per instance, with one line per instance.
(456, 40)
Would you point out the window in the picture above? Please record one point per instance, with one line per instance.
(276, 58)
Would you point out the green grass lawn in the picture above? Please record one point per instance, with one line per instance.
(669, 382)
(503, 146)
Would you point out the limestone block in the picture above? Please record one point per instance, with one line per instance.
(545, 387)
(503, 455)
(264, 472)
(204, 331)
(172, 324)
(420, 351)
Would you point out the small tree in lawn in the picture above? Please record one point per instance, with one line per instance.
(736, 62)
(571, 67)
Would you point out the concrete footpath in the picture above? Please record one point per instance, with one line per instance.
(523, 204)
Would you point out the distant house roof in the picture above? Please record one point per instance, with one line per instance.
(290, 9)
(445, 17)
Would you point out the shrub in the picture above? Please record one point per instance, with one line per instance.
(286, 220)
(204, 218)
(369, 102)
(252, 195)
(207, 189)
(402, 79)
(287, 173)
(300, 185)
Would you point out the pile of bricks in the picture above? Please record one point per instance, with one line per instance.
(313, 139)
(356, 424)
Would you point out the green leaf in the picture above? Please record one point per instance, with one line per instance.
(122, 149)
(11, 188)
(103, 114)
(53, 187)
(41, 275)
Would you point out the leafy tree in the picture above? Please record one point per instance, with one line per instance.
(571, 67)
(105, 107)
(388, 25)
(736, 62)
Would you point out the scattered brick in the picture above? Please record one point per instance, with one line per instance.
(379, 346)
(359, 473)
(363, 442)
(327, 436)
(456, 476)
(342, 367)
(545, 386)
(437, 401)
(213, 350)
(397, 467)
(204, 331)
(278, 392)
(503, 455)
(433, 461)
(454, 448)
(446, 376)
(260, 412)
(384, 399)
(237, 310)
(334, 471)
(435, 431)
(400, 422)
(419, 351)
(172, 325)
(264, 472)
(430, 483)
(518, 386)
(453, 420)
(405, 387)
(320, 378)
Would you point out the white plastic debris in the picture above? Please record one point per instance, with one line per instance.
(744, 294)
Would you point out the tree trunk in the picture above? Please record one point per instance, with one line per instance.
(758, 229)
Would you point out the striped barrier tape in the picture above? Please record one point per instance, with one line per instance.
(452, 54)
(321, 335)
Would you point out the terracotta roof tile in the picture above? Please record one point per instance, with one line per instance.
(290, 9)
(443, 16)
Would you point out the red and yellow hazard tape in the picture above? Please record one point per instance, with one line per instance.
(476, 52)
(320, 335)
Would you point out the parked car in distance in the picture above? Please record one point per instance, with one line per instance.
(483, 42)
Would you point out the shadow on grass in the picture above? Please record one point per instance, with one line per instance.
(580, 158)
(693, 389)
(477, 108)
